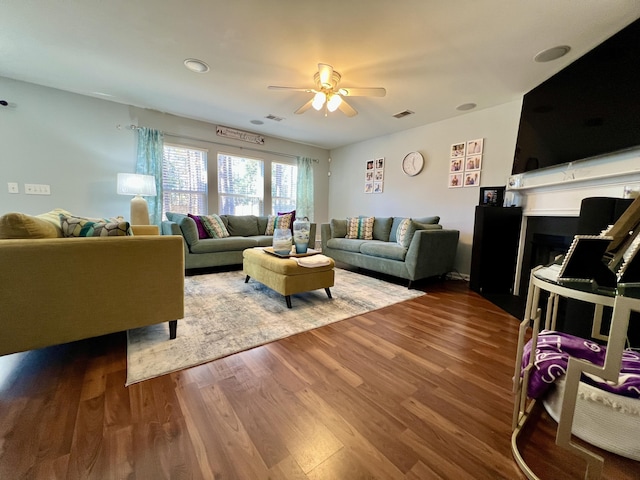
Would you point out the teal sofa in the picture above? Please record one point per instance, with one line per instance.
(246, 231)
(431, 251)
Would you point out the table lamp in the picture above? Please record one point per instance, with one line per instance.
(137, 185)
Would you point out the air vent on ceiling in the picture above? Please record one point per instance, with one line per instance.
(274, 118)
(404, 114)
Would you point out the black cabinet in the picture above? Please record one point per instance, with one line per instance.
(496, 234)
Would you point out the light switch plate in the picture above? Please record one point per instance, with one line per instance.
(13, 187)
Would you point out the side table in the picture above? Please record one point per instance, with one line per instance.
(545, 279)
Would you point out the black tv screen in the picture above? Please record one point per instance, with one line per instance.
(588, 109)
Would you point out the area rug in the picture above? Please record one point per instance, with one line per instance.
(225, 315)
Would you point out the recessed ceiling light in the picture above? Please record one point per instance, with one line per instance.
(257, 122)
(196, 65)
(466, 106)
(552, 53)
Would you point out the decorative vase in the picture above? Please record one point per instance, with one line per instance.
(282, 241)
(301, 228)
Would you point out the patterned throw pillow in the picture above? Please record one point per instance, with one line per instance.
(278, 221)
(93, 227)
(405, 232)
(360, 227)
(214, 226)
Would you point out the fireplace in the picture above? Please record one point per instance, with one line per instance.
(545, 238)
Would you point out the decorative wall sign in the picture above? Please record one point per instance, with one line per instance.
(239, 135)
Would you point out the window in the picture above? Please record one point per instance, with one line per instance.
(184, 180)
(284, 179)
(240, 185)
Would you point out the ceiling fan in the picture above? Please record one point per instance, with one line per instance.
(328, 95)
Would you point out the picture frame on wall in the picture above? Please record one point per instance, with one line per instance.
(377, 187)
(473, 163)
(456, 165)
(368, 187)
(380, 163)
(471, 179)
(456, 180)
(475, 146)
(370, 164)
(457, 150)
(492, 196)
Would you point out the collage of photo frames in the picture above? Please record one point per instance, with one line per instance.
(374, 176)
(465, 163)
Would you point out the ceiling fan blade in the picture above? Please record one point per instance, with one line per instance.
(362, 92)
(325, 73)
(304, 107)
(291, 89)
(347, 109)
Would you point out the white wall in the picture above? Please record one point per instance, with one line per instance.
(71, 143)
(428, 192)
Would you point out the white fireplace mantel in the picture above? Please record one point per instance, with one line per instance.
(562, 198)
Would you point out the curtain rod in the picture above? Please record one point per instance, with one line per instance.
(169, 134)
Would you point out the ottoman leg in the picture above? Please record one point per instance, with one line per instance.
(328, 292)
(173, 329)
(288, 300)
(246, 280)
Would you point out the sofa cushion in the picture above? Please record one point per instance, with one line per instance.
(73, 226)
(278, 221)
(427, 226)
(405, 231)
(382, 228)
(229, 244)
(389, 250)
(397, 220)
(348, 244)
(188, 228)
(53, 217)
(428, 220)
(338, 228)
(360, 227)
(202, 233)
(214, 226)
(20, 225)
(242, 225)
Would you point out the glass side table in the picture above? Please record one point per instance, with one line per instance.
(623, 303)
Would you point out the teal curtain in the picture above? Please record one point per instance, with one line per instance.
(304, 196)
(149, 162)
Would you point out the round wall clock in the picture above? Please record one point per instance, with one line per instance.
(412, 163)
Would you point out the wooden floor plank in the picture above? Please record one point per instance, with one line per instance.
(416, 390)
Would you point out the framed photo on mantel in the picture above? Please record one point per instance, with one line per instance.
(492, 196)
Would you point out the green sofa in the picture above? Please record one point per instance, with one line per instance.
(246, 231)
(431, 249)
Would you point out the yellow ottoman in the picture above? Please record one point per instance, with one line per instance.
(284, 275)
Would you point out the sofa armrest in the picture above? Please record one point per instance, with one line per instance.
(145, 229)
(325, 235)
(59, 290)
(432, 251)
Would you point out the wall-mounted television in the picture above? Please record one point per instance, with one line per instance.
(588, 109)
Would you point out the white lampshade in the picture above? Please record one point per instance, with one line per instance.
(334, 102)
(318, 100)
(137, 185)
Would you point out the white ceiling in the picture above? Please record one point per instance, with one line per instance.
(430, 55)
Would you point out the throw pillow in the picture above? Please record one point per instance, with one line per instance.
(360, 228)
(278, 221)
(53, 217)
(20, 225)
(202, 232)
(405, 232)
(214, 226)
(93, 227)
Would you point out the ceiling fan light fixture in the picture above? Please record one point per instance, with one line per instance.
(334, 102)
(318, 100)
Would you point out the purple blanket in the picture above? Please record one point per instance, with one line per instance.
(552, 357)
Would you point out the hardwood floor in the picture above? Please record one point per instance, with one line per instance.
(418, 390)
